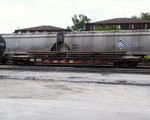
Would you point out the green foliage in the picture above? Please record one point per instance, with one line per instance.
(144, 16)
(68, 28)
(79, 22)
(99, 28)
(106, 27)
(134, 17)
(146, 56)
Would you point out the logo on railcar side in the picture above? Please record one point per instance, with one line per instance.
(120, 44)
(11, 45)
(133, 44)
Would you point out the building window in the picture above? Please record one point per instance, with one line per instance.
(93, 27)
(118, 26)
(144, 26)
(131, 26)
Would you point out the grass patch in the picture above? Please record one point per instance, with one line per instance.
(146, 56)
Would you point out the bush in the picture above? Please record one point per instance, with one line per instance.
(106, 27)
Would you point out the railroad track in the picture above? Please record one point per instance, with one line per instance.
(99, 69)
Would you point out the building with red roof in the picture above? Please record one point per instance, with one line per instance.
(47, 28)
(122, 23)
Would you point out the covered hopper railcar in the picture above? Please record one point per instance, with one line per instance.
(135, 42)
(23, 43)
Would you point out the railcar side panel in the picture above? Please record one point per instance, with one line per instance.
(20, 44)
(134, 42)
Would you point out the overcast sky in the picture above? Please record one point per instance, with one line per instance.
(29, 13)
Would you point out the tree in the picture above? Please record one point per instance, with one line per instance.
(143, 16)
(134, 17)
(79, 22)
